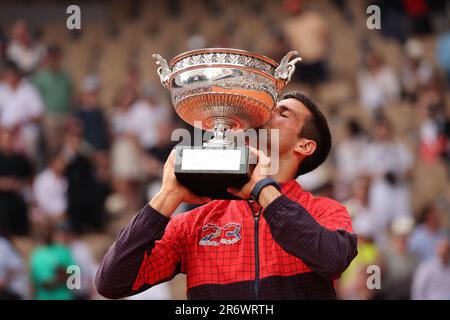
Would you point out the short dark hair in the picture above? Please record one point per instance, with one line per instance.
(315, 128)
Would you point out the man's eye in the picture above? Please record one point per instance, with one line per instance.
(284, 114)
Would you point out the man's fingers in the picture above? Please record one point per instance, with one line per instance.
(263, 158)
(258, 156)
(170, 162)
(253, 156)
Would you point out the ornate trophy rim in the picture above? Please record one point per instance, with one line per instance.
(198, 95)
(186, 54)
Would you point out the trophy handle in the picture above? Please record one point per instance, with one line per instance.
(286, 68)
(164, 71)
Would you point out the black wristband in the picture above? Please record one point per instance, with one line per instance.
(261, 184)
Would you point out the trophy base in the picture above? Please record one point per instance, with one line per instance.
(209, 171)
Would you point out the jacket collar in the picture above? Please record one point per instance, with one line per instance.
(291, 188)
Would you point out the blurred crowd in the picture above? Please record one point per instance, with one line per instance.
(71, 165)
(63, 156)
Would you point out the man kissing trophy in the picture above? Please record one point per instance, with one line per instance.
(223, 91)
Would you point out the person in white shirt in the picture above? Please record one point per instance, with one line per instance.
(14, 282)
(416, 70)
(21, 107)
(23, 49)
(126, 149)
(50, 190)
(432, 277)
(378, 84)
(149, 113)
(348, 159)
(140, 117)
(388, 163)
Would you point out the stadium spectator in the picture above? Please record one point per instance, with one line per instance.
(21, 108)
(378, 84)
(126, 152)
(309, 34)
(388, 162)
(432, 141)
(353, 282)
(50, 190)
(394, 21)
(432, 278)
(85, 201)
(443, 54)
(151, 113)
(55, 87)
(431, 110)
(90, 113)
(418, 12)
(427, 233)
(48, 267)
(348, 164)
(14, 283)
(132, 79)
(398, 262)
(53, 83)
(82, 257)
(358, 203)
(15, 175)
(25, 51)
(416, 70)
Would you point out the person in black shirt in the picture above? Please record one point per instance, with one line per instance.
(15, 173)
(95, 126)
(86, 195)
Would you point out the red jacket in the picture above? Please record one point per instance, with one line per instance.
(291, 250)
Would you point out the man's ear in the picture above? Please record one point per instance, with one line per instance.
(305, 147)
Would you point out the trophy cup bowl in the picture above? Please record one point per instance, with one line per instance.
(221, 90)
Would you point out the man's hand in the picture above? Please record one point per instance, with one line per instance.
(172, 193)
(260, 172)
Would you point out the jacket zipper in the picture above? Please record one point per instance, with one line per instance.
(256, 240)
(256, 219)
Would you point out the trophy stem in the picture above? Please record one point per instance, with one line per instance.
(221, 128)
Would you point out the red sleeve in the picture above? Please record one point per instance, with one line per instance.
(164, 260)
(145, 253)
(333, 216)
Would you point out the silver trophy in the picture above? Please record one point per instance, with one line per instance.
(221, 90)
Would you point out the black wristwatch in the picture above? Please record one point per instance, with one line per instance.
(261, 184)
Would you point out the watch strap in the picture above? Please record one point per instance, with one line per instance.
(261, 184)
